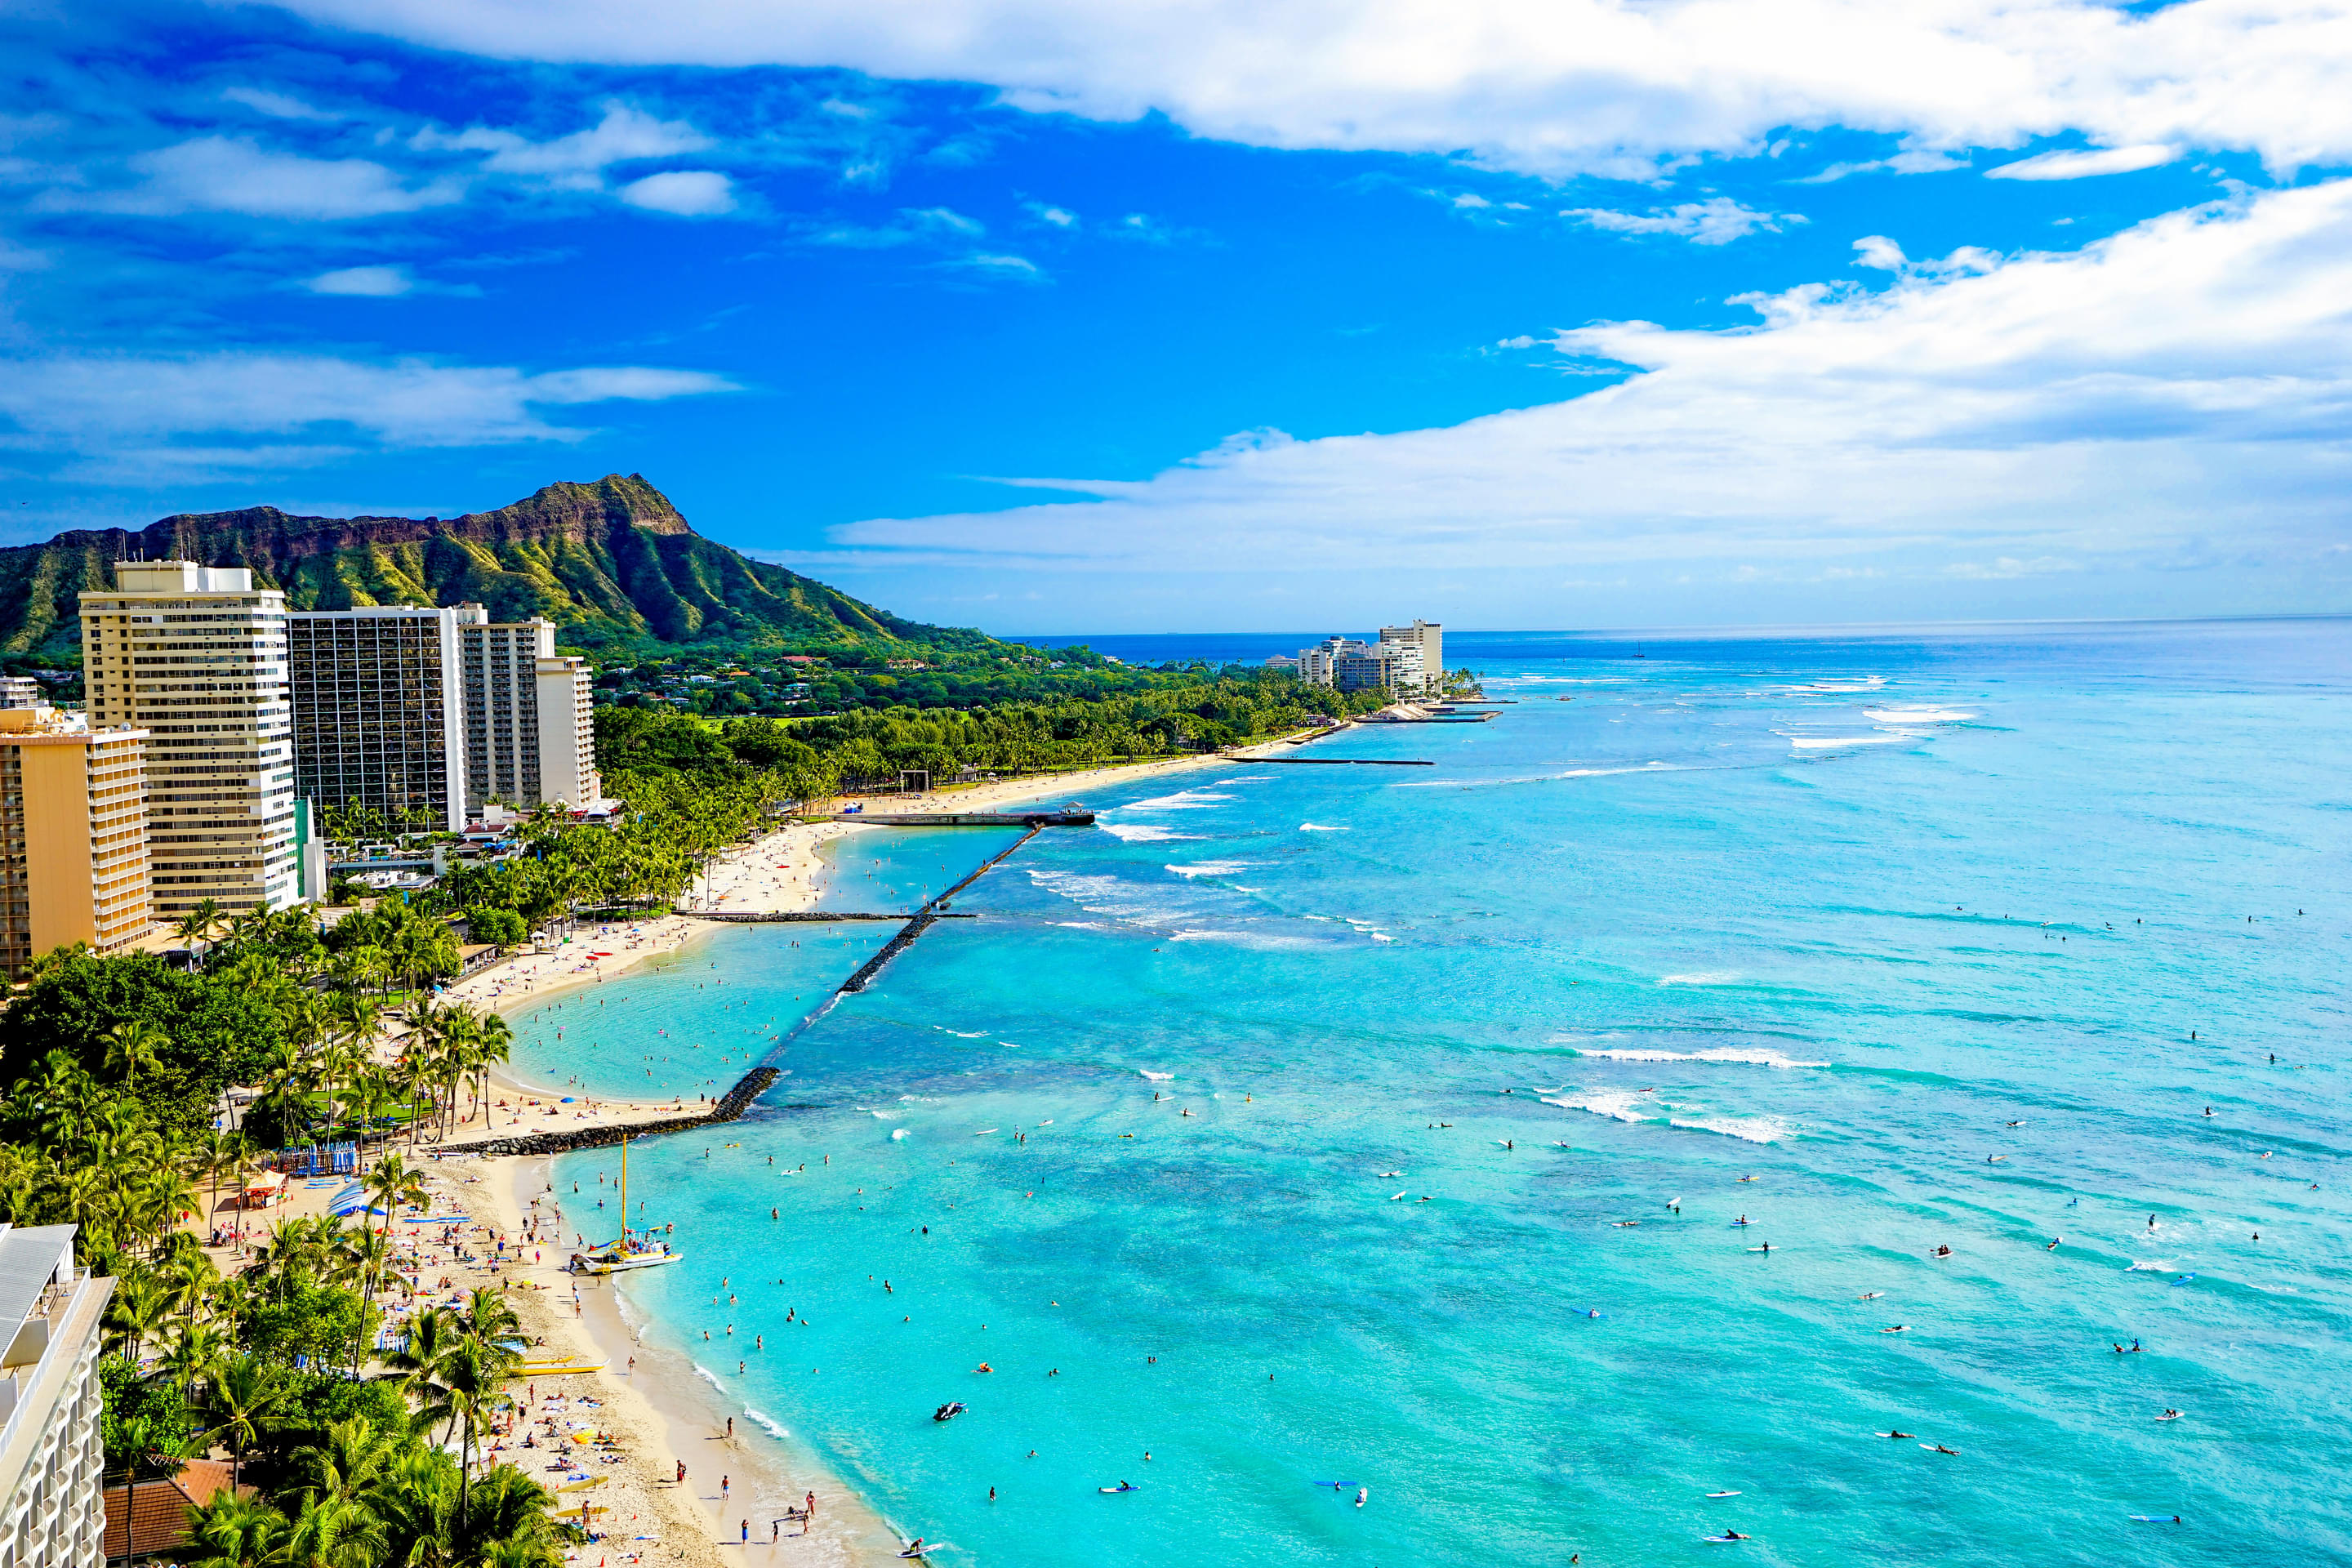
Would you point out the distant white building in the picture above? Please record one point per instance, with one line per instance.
(52, 1461)
(530, 734)
(1420, 657)
(1409, 661)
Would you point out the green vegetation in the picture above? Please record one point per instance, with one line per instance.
(118, 1063)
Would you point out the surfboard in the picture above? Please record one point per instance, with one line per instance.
(1723, 1494)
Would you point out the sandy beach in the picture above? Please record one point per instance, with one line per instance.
(645, 1409)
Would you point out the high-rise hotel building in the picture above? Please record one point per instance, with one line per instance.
(52, 1454)
(73, 837)
(379, 712)
(530, 739)
(195, 655)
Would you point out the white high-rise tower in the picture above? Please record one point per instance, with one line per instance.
(195, 655)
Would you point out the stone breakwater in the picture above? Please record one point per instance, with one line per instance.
(729, 1107)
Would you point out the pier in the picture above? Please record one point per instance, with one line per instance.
(934, 910)
(796, 917)
(1345, 762)
(1029, 819)
(749, 1088)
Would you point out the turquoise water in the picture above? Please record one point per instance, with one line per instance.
(1911, 932)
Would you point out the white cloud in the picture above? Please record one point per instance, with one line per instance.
(232, 175)
(95, 406)
(368, 282)
(1060, 217)
(687, 192)
(1718, 220)
(1001, 266)
(2184, 378)
(2078, 166)
(945, 218)
(579, 159)
(1563, 86)
(278, 105)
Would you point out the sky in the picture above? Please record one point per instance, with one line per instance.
(1051, 317)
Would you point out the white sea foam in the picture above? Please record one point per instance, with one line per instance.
(1008, 1045)
(1829, 742)
(1245, 778)
(1143, 832)
(1723, 1054)
(2152, 1266)
(1754, 1128)
(882, 1115)
(1917, 715)
(959, 1034)
(1709, 977)
(898, 1134)
(705, 1373)
(1317, 827)
(774, 1428)
(1216, 868)
(1183, 800)
(1618, 1105)
(1157, 1077)
(1853, 683)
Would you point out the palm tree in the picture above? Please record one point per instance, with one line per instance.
(244, 1394)
(197, 1349)
(505, 1523)
(193, 925)
(492, 1043)
(329, 1533)
(394, 1182)
(131, 1045)
(351, 1464)
(365, 1259)
(236, 1531)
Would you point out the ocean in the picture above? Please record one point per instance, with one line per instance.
(1301, 1129)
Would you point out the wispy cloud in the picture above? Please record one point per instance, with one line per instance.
(1573, 86)
(683, 193)
(274, 407)
(234, 174)
(2080, 165)
(1718, 220)
(2016, 415)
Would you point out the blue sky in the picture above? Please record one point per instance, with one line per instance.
(1050, 317)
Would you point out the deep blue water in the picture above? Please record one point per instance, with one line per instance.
(1913, 932)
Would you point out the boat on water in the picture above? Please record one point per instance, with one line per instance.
(629, 1251)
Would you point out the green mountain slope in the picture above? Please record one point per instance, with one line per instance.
(612, 563)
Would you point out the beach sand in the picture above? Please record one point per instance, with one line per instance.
(658, 1411)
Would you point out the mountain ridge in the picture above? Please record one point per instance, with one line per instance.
(611, 563)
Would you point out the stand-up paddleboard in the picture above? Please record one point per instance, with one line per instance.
(2156, 1519)
(1122, 1487)
(1723, 1494)
(2184, 1279)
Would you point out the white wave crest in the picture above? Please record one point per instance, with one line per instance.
(1722, 1054)
(897, 1134)
(1183, 800)
(1317, 827)
(1754, 1128)
(707, 1376)
(1157, 1077)
(1706, 977)
(1618, 1105)
(1829, 742)
(1216, 868)
(1143, 832)
(775, 1428)
(1917, 715)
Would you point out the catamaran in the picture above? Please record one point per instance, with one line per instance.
(630, 1251)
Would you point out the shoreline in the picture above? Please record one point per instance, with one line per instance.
(652, 1398)
(667, 1413)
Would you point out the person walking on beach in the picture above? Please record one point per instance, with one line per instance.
(808, 1514)
(681, 1472)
